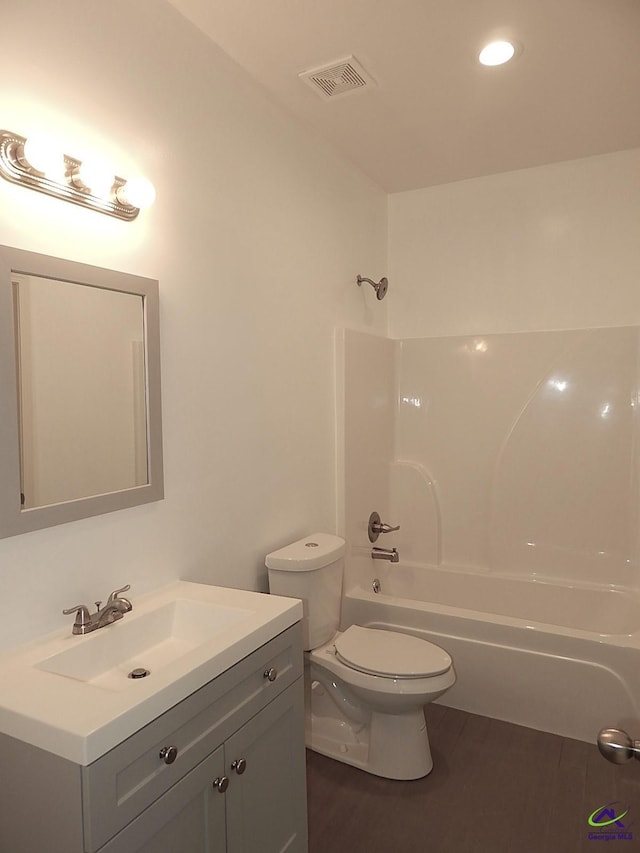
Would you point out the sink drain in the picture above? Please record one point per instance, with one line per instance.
(139, 672)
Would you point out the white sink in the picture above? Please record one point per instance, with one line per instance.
(71, 695)
(106, 657)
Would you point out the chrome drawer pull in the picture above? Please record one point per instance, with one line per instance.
(239, 765)
(221, 783)
(271, 674)
(169, 754)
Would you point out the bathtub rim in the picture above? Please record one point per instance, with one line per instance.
(357, 592)
(536, 578)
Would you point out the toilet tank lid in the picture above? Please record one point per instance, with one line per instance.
(311, 552)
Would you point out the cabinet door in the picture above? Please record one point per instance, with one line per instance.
(266, 802)
(189, 818)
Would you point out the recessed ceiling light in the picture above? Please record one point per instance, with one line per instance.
(497, 53)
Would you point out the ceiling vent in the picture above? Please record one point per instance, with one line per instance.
(340, 78)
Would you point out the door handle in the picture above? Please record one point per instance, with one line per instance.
(616, 746)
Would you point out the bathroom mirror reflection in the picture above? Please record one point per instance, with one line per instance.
(80, 425)
(81, 414)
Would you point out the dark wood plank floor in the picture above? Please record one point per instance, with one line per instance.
(494, 788)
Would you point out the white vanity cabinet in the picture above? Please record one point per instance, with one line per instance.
(223, 770)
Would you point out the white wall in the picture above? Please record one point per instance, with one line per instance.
(553, 247)
(256, 238)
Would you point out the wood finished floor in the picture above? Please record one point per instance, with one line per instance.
(494, 788)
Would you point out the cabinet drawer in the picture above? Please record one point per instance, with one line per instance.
(121, 784)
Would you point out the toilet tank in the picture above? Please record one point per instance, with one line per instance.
(311, 569)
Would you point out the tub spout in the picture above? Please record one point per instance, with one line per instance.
(390, 554)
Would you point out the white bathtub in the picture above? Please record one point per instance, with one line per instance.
(562, 659)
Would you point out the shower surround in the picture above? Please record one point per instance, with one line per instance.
(510, 462)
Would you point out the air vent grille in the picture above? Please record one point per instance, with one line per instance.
(339, 78)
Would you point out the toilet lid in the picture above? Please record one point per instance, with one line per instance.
(390, 654)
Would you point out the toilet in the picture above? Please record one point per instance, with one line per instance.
(365, 687)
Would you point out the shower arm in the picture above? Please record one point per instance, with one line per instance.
(361, 278)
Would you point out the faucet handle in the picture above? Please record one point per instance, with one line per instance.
(83, 618)
(385, 528)
(376, 526)
(116, 593)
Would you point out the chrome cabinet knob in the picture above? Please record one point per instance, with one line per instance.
(271, 674)
(221, 783)
(239, 765)
(169, 754)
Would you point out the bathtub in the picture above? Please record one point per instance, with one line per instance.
(558, 658)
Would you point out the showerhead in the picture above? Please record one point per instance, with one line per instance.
(380, 287)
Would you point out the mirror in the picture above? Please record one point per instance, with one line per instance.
(80, 417)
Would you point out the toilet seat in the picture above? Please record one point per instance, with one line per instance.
(390, 654)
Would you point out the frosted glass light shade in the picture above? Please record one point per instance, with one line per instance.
(497, 53)
(42, 153)
(97, 177)
(138, 192)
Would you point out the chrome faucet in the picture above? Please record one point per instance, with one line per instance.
(385, 554)
(114, 609)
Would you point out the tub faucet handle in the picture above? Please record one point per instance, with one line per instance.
(387, 528)
(377, 526)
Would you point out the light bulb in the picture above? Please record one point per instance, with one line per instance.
(97, 177)
(497, 53)
(42, 154)
(137, 192)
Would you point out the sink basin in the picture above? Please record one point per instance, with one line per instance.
(106, 657)
(71, 695)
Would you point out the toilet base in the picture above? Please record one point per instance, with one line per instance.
(395, 746)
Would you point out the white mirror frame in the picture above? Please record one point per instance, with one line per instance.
(13, 519)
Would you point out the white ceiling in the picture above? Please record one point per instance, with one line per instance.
(436, 115)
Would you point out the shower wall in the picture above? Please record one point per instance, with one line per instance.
(509, 443)
(366, 407)
(507, 453)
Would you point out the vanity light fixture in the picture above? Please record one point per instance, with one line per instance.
(36, 164)
(497, 53)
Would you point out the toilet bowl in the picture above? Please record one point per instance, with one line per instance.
(366, 688)
(381, 714)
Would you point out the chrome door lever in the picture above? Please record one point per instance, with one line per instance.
(616, 746)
